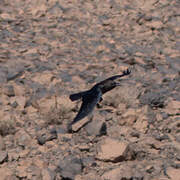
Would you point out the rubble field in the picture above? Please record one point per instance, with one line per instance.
(50, 49)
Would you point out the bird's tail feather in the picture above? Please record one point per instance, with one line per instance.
(76, 96)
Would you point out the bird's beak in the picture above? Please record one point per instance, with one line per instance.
(118, 84)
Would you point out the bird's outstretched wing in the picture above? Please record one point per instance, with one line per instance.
(89, 101)
(125, 73)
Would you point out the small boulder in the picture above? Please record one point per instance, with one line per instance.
(112, 150)
(97, 127)
(69, 167)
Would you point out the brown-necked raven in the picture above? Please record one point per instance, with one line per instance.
(92, 97)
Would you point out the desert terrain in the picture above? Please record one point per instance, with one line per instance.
(50, 49)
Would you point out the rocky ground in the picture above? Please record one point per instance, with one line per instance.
(50, 49)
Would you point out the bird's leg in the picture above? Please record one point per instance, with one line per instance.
(99, 105)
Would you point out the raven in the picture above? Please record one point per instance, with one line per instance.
(92, 97)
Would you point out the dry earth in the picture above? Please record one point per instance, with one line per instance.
(51, 48)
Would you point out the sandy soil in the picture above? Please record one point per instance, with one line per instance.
(50, 49)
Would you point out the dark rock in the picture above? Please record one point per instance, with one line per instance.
(14, 74)
(41, 139)
(69, 167)
(9, 90)
(14, 104)
(103, 130)
(161, 137)
(61, 130)
(50, 137)
(153, 99)
(89, 161)
(53, 130)
(139, 155)
(135, 134)
(150, 169)
(164, 115)
(3, 156)
(176, 165)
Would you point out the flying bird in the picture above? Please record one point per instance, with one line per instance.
(92, 97)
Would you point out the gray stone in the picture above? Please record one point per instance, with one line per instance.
(3, 156)
(41, 139)
(9, 90)
(96, 127)
(14, 74)
(89, 161)
(153, 99)
(69, 167)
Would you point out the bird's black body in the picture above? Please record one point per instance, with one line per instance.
(92, 97)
